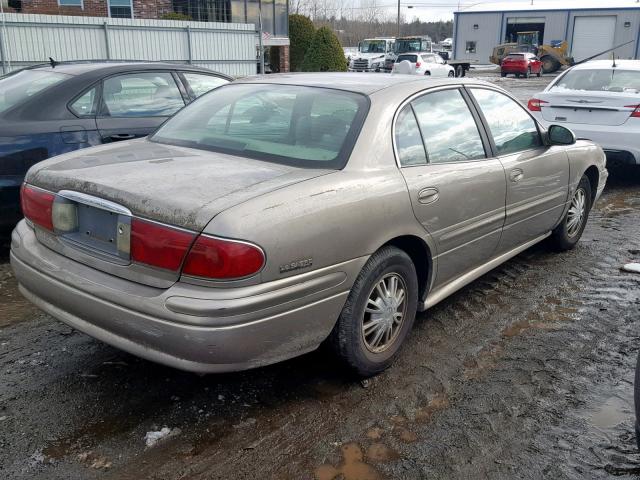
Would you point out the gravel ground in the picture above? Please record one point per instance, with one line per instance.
(525, 373)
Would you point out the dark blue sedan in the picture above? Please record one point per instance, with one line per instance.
(53, 109)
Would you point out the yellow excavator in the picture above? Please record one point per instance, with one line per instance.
(552, 56)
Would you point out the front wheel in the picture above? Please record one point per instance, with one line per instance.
(451, 74)
(378, 314)
(566, 235)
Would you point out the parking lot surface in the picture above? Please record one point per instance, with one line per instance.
(525, 373)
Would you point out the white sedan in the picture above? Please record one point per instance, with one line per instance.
(598, 101)
(423, 63)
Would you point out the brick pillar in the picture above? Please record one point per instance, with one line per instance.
(284, 59)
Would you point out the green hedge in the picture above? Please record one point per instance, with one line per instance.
(325, 53)
(301, 31)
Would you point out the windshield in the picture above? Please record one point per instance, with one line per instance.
(299, 126)
(412, 45)
(18, 87)
(373, 46)
(600, 80)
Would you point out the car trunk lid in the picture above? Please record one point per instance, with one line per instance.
(176, 186)
(589, 108)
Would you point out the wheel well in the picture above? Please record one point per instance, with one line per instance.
(420, 254)
(593, 176)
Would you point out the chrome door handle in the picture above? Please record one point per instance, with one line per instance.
(516, 175)
(428, 195)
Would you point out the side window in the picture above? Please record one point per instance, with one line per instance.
(470, 47)
(85, 105)
(201, 84)
(145, 94)
(408, 139)
(512, 128)
(449, 130)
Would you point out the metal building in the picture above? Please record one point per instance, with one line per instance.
(589, 26)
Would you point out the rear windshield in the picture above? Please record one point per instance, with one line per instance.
(600, 80)
(516, 55)
(295, 125)
(411, 58)
(18, 87)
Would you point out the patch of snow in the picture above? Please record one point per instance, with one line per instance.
(153, 437)
(632, 267)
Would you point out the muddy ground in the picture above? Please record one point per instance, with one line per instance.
(526, 373)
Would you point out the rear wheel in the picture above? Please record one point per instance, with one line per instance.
(378, 314)
(539, 72)
(502, 74)
(566, 235)
(549, 64)
(528, 73)
(427, 73)
(451, 74)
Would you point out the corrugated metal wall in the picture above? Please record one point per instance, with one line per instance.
(558, 26)
(28, 39)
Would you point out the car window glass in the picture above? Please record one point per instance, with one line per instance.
(18, 87)
(410, 58)
(303, 126)
(86, 103)
(201, 84)
(408, 139)
(600, 80)
(512, 127)
(146, 94)
(449, 130)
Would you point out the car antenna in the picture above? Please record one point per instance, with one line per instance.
(53, 62)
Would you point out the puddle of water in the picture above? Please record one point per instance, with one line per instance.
(352, 467)
(613, 412)
(379, 453)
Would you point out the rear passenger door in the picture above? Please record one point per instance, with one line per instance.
(457, 192)
(537, 175)
(135, 104)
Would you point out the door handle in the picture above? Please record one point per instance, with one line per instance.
(516, 175)
(116, 137)
(428, 195)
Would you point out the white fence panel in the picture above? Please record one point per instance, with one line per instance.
(27, 39)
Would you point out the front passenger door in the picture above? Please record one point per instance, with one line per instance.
(537, 175)
(457, 193)
(135, 104)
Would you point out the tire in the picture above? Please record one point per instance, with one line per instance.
(528, 73)
(517, 75)
(460, 72)
(539, 74)
(451, 74)
(566, 235)
(636, 398)
(502, 74)
(348, 339)
(549, 64)
(427, 73)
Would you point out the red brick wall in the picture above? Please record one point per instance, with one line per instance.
(97, 8)
(284, 59)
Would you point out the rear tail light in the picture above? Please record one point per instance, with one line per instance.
(37, 205)
(535, 105)
(159, 245)
(418, 64)
(223, 259)
(636, 111)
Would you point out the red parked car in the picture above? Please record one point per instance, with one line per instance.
(521, 64)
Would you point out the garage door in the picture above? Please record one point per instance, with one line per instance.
(592, 35)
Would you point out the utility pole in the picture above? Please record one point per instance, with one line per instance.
(261, 48)
(398, 35)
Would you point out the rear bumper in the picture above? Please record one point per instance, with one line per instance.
(10, 212)
(514, 69)
(194, 328)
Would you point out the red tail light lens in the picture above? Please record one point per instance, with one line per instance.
(636, 111)
(37, 205)
(418, 64)
(535, 105)
(159, 245)
(223, 259)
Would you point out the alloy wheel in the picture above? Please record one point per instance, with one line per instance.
(384, 313)
(577, 212)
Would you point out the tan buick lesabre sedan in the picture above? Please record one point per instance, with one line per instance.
(276, 213)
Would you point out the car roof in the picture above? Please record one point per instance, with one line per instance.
(608, 64)
(365, 83)
(102, 68)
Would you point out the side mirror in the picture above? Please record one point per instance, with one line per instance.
(559, 135)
